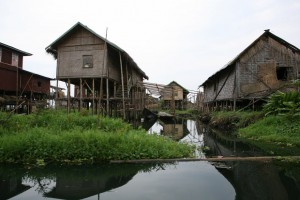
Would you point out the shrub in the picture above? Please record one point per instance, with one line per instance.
(283, 104)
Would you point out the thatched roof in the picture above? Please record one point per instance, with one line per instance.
(267, 33)
(184, 90)
(52, 48)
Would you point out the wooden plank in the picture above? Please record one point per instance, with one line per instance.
(216, 159)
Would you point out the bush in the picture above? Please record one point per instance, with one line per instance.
(54, 136)
(283, 104)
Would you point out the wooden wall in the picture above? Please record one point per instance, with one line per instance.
(255, 72)
(71, 52)
(222, 87)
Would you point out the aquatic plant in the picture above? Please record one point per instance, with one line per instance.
(54, 136)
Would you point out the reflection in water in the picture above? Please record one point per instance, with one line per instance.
(167, 181)
(238, 180)
(251, 180)
(70, 182)
(258, 180)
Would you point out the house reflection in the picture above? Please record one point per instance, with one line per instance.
(86, 181)
(11, 185)
(251, 180)
(174, 128)
(171, 127)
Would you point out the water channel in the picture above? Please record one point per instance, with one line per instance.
(178, 180)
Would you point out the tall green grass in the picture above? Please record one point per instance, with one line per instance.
(54, 136)
(230, 120)
(278, 129)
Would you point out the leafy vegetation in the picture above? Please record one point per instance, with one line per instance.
(282, 130)
(280, 127)
(230, 120)
(283, 104)
(54, 136)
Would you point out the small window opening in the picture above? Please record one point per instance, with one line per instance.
(39, 84)
(282, 73)
(87, 61)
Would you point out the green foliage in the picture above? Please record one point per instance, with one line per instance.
(283, 104)
(230, 120)
(54, 136)
(283, 131)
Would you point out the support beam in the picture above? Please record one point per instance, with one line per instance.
(93, 88)
(122, 82)
(69, 95)
(107, 97)
(80, 95)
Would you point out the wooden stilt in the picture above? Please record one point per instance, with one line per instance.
(80, 95)
(122, 82)
(93, 100)
(56, 95)
(69, 95)
(107, 97)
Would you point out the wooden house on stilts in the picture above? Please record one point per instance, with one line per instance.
(265, 66)
(175, 94)
(20, 90)
(106, 79)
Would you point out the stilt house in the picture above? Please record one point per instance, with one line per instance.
(105, 77)
(176, 94)
(18, 87)
(265, 66)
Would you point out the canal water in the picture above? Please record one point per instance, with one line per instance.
(179, 180)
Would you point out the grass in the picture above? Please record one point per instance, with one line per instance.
(276, 135)
(55, 137)
(230, 120)
(281, 130)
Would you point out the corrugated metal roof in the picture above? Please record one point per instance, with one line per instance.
(52, 47)
(15, 49)
(13, 68)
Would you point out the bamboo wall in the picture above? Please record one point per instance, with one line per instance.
(254, 74)
(71, 52)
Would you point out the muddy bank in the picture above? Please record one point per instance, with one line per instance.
(230, 121)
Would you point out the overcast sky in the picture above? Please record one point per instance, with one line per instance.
(181, 40)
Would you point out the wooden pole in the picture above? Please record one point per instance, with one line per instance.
(80, 95)
(231, 158)
(93, 108)
(17, 88)
(69, 95)
(122, 81)
(127, 80)
(107, 97)
(56, 95)
(173, 102)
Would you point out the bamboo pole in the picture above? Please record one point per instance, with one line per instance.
(69, 95)
(107, 97)
(17, 88)
(93, 106)
(80, 95)
(122, 81)
(56, 95)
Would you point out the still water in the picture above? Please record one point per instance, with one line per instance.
(179, 180)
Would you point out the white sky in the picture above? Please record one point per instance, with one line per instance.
(182, 40)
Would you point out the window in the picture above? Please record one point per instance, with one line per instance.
(0, 54)
(15, 59)
(283, 73)
(39, 83)
(87, 61)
